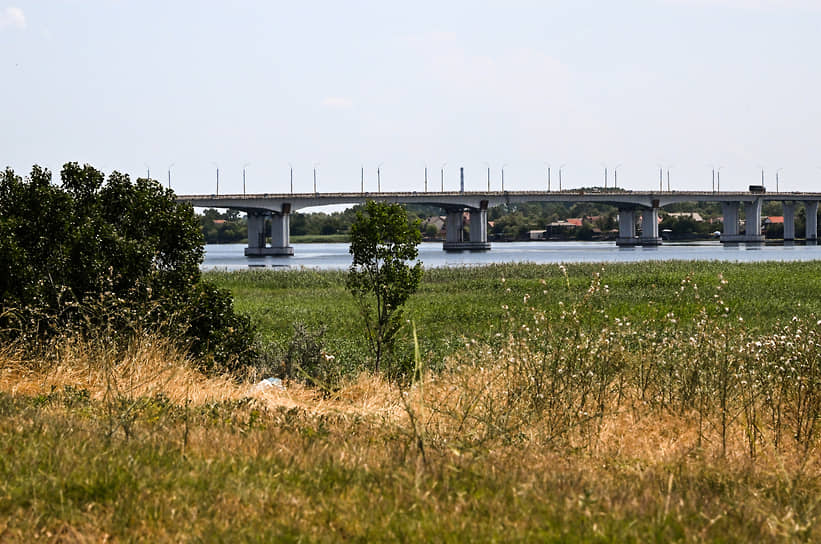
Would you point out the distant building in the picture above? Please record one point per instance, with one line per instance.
(695, 216)
(569, 224)
(437, 221)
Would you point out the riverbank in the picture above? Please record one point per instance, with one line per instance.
(650, 402)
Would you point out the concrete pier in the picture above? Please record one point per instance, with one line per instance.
(650, 227)
(280, 234)
(455, 230)
(811, 234)
(627, 228)
(729, 212)
(752, 222)
(789, 221)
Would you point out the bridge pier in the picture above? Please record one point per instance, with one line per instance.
(729, 212)
(811, 233)
(752, 223)
(650, 227)
(627, 228)
(789, 221)
(280, 233)
(455, 232)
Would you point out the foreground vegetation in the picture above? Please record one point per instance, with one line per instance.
(678, 402)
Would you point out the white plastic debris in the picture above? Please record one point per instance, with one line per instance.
(269, 383)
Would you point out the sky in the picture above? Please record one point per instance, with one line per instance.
(637, 85)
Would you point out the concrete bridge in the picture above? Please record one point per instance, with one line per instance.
(277, 207)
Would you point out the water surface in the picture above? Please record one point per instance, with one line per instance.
(336, 256)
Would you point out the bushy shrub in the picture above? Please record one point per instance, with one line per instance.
(118, 255)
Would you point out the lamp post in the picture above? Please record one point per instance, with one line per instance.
(218, 177)
(243, 176)
(147, 171)
(548, 176)
(362, 179)
(718, 178)
(379, 177)
(443, 176)
(487, 164)
(605, 176)
(426, 178)
(291, 168)
(776, 179)
(503, 177)
(169, 174)
(661, 177)
(616, 176)
(315, 165)
(560, 177)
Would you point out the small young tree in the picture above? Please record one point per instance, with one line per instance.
(381, 278)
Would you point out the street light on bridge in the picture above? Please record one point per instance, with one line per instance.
(661, 177)
(169, 174)
(218, 177)
(315, 165)
(560, 176)
(291, 167)
(426, 177)
(776, 179)
(488, 175)
(243, 176)
(548, 176)
(147, 171)
(379, 177)
(443, 176)
(615, 175)
(503, 177)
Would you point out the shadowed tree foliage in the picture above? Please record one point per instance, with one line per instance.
(118, 256)
(381, 278)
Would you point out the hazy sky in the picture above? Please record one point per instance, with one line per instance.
(686, 84)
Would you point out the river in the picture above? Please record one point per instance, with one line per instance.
(336, 256)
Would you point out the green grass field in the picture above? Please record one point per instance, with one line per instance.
(458, 304)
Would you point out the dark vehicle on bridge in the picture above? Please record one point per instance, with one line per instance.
(758, 189)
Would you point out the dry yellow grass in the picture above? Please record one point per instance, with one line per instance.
(153, 366)
(456, 453)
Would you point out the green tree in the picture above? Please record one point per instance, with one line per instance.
(381, 278)
(119, 255)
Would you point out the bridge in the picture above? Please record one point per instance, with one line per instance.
(278, 206)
